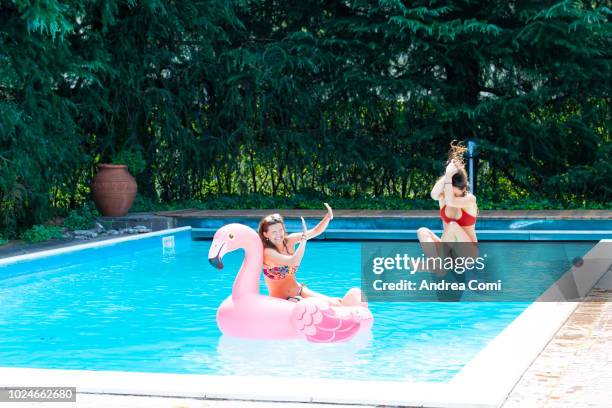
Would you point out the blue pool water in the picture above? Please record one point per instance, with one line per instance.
(132, 307)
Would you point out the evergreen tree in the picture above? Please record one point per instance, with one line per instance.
(350, 98)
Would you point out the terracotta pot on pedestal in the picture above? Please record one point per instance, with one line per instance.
(113, 189)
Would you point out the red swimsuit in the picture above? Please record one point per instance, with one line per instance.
(466, 220)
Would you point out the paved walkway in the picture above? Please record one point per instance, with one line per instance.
(575, 368)
(130, 401)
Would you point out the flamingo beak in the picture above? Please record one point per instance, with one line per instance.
(216, 252)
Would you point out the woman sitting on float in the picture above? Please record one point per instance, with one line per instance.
(292, 310)
(281, 260)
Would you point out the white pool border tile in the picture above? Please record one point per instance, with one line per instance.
(96, 244)
(485, 381)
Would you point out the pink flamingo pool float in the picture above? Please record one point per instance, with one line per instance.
(249, 314)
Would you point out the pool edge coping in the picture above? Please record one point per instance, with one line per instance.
(473, 386)
(290, 213)
(96, 244)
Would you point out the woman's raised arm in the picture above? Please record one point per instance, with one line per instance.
(438, 189)
(319, 229)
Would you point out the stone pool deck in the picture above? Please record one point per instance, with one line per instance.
(575, 368)
(149, 220)
(132, 401)
(169, 219)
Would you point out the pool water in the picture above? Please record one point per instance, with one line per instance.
(133, 307)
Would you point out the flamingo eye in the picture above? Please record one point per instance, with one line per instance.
(231, 236)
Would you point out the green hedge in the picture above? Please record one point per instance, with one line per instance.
(302, 100)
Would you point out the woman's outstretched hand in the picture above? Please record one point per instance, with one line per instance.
(329, 211)
(451, 169)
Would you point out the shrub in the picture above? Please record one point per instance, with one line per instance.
(81, 219)
(146, 204)
(40, 233)
(133, 159)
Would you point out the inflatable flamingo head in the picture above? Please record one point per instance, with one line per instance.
(229, 238)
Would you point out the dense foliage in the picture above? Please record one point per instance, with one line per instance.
(82, 218)
(350, 99)
(41, 233)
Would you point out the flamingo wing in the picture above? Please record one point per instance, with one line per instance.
(319, 323)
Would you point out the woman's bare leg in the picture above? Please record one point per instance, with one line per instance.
(306, 293)
(351, 298)
(454, 234)
(430, 244)
(427, 235)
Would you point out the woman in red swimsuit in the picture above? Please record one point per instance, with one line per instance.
(458, 209)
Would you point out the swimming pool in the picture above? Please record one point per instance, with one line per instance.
(134, 306)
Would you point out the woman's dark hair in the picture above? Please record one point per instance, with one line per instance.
(263, 227)
(460, 179)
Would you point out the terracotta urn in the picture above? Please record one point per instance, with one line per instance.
(113, 189)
